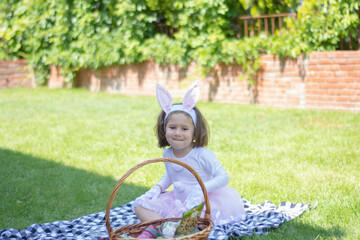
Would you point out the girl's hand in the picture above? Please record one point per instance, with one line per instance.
(153, 193)
(195, 198)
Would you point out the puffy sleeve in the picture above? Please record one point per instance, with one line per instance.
(165, 181)
(219, 176)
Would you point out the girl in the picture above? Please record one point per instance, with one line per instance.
(183, 129)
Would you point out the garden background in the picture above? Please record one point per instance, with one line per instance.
(264, 52)
(62, 150)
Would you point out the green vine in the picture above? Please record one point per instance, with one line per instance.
(93, 34)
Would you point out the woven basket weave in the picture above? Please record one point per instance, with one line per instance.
(204, 224)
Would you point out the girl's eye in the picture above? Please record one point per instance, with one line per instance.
(185, 129)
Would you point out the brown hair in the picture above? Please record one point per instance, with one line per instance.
(201, 131)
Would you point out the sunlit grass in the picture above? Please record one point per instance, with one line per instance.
(62, 151)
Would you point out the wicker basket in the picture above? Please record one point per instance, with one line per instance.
(204, 224)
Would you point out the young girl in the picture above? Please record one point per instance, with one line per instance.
(183, 129)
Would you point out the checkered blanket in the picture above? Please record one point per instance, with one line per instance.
(259, 220)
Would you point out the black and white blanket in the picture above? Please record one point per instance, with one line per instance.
(259, 220)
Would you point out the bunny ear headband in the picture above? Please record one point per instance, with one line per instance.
(190, 99)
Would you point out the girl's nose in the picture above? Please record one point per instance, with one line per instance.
(177, 132)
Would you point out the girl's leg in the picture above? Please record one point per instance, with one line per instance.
(146, 215)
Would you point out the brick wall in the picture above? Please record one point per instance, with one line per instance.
(322, 80)
(15, 73)
(56, 80)
(333, 80)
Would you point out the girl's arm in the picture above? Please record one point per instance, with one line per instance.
(165, 182)
(154, 192)
(212, 166)
(219, 179)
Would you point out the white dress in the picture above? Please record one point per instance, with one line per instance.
(225, 202)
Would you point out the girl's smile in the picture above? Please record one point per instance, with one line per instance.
(179, 132)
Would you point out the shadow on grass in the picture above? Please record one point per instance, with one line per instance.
(35, 190)
(300, 231)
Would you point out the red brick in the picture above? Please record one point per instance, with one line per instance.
(347, 92)
(348, 54)
(347, 80)
(316, 91)
(349, 67)
(312, 62)
(326, 74)
(315, 68)
(341, 98)
(319, 55)
(332, 80)
(15, 73)
(312, 74)
(355, 61)
(341, 61)
(354, 74)
(325, 61)
(355, 98)
(344, 105)
(314, 80)
(341, 73)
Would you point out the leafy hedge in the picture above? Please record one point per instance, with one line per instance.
(89, 33)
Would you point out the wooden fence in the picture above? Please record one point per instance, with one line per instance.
(249, 26)
(245, 26)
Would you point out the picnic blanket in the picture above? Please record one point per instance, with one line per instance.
(260, 218)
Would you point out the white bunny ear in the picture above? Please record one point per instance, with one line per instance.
(191, 96)
(164, 98)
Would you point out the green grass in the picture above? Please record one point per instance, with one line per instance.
(62, 152)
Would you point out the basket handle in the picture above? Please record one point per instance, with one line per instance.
(122, 179)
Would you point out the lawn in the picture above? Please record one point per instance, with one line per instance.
(62, 152)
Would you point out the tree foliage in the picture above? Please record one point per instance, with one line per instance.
(88, 33)
(324, 23)
(258, 7)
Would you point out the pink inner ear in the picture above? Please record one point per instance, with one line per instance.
(191, 96)
(165, 103)
(189, 104)
(164, 98)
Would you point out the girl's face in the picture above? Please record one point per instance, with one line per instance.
(179, 132)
